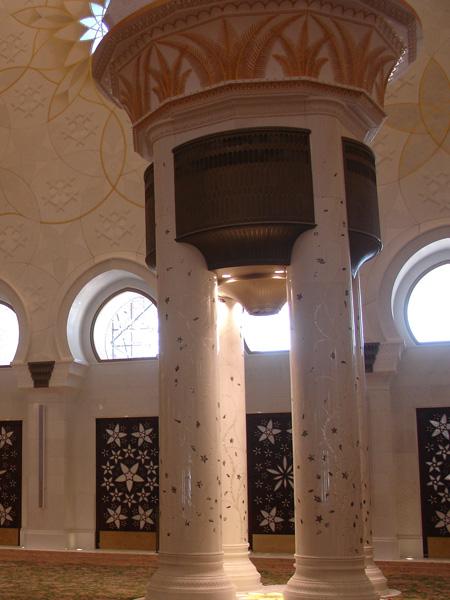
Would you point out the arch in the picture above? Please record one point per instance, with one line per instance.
(80, 298)
(395, 271)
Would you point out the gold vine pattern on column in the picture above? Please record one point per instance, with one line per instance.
(301, 45)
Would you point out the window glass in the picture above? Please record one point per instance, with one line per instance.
(95, 28)
(9, 334)
(427, 310)
(267, 333)
(126, 327)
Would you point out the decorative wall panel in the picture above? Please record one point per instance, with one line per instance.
(127, 474)
(270, 474)
(433, 430)
(10, 475)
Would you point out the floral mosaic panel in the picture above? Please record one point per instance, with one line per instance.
(10, 474)
(433, 429)
(270, 474)
(127, 474)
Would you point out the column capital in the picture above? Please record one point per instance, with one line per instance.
(166, 57)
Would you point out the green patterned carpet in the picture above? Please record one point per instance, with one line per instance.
(21, 580)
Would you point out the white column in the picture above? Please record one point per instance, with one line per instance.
(238, 565)
(329, 531)
(375, 575)
(382, 462)
(191, 557)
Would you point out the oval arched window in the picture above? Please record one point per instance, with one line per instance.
(126, 327)
(9, 334)
(427, 306)
(269, 333)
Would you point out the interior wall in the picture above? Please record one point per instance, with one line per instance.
(71, 197)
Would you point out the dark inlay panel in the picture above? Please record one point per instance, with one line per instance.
(10, 474)
(270, 474)
(127, 474)
(150, 218)
(433, 430)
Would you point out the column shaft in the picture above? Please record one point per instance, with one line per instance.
(241, 570)
(329, 529)
(191, 559)
(375, 575)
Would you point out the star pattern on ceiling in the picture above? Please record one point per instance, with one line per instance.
(95, 28)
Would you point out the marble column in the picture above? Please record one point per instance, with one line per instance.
(191, 557)
(373, 572)
(241, 570)
(383, 467)
(327, 477)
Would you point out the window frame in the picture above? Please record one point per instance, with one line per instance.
(411, 288)
(94, 320)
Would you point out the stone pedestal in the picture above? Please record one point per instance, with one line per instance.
(238, 566)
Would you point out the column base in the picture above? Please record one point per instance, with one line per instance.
(188, 576)
(57, 539)
(377, 578)
(240, 569)
(317, 578)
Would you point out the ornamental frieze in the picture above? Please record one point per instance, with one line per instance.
(246, 42)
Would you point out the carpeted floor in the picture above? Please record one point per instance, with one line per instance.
(26, 575)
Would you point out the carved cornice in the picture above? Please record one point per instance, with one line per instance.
(162, 54)
(259, 100)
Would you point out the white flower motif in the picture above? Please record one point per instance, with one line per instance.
(444, 451)
(270, 519)
(115, 495)
(143, 455)
(151, 484)
(129, 476)
(268, 432)
(434, 464)
(435, 482)
(5, 514)
(107, 469)
(445, 495)
(5, 437)
(143, 435)
(444, 520)
(107, 483)
(151, 469)
(128, 452)
(142, 495)
(442, 427)
(116, 516)
(282, 475)
(96, 29)
(144, 517)
(129, 500)
(115, 436)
